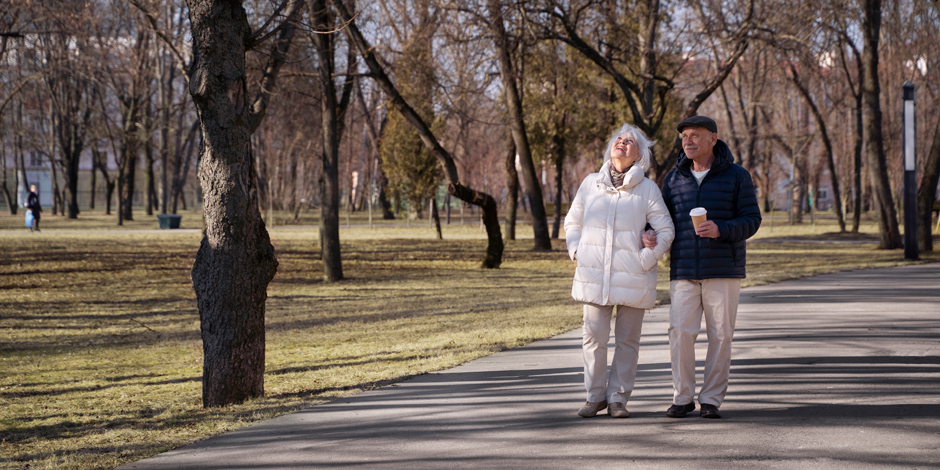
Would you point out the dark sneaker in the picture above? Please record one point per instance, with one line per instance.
(617, 410)
(710, 411)
(590, 408)
(680, 411)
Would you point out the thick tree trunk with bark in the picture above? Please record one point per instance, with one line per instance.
(874, 142)
(508, 74)
(235, 261)
(494, 249)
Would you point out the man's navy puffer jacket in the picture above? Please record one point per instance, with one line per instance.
(727, 193)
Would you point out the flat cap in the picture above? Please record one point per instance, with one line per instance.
(698, 121)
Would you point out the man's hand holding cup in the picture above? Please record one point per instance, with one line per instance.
(703, 227)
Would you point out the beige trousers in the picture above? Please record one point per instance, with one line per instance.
(618, 385)
(717, 301)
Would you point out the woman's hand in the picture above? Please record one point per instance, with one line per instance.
(649, 239)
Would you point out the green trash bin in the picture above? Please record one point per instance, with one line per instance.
(169, 220)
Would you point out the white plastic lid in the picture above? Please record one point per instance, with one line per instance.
(698, 211)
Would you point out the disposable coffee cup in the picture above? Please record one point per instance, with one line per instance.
(698, 216)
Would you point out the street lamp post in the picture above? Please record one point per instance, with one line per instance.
(910, 174)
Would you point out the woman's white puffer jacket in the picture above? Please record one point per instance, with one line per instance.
(603, 230)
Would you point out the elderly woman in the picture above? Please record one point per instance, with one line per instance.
(617, 263)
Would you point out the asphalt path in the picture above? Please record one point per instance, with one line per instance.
(839, 371)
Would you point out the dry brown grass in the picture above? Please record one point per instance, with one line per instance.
(99, 333)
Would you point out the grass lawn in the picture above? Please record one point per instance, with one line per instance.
(100, 354)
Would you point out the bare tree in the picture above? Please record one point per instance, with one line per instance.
(824, 135)
(855, 90)
(874, 140)
(511, 76)
(494, 250)
(927, 192)
(643, 58)
(512, 188)
(332, 111)
(409, 166)
(376, 173)
(69, 83)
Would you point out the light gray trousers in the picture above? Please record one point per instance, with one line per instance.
(618, 384)
(717, 301)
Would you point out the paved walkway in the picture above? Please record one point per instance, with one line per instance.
(834, 371)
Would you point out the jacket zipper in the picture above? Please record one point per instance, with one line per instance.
(698, 239)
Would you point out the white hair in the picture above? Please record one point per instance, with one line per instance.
(642, 142)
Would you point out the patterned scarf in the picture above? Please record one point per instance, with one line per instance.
(616, 176)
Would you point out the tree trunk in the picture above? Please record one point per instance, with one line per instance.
(494, 249)
(109, 194)
(765, 185)
(151, 177)
(11, 204)
(927, 193)
(71, 144)
(826, 143)
(436, 216)
(509, 78)
(101, 165)
(874, 143)
(512, 189)
(181, 164)
(235, 261)
(71, 182)
(797, 192)
(94, 184)
(857, 175)
(165, 101)
(331, 112)
(56, 194)
(126, 186)
(559, 173)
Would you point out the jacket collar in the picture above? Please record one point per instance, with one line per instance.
(723, 159)
(632, 178)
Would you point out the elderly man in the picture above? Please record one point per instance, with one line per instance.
(707, 261)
